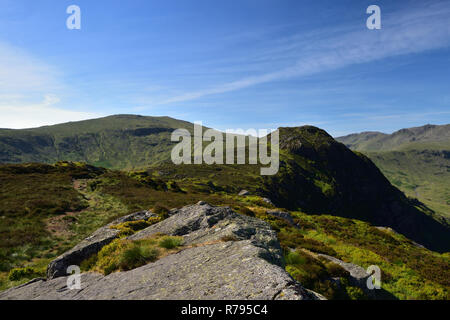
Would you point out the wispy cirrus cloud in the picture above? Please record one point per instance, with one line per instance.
(404, 32)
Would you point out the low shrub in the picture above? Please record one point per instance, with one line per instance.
(228, 238)
(161, 211)
(137, 255)
(355, 293)
(170, 242)
(130, 227)
(17, 274)
(294, 258)
(174, 187)
(246, 211)
(122, 254)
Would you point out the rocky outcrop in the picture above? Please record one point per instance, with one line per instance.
(283, 215)
(358, 277)
(244, 193)
(91, 245)
(268, 201)
(390, 230)
(226, 256)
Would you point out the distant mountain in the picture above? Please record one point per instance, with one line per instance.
(416, 160)
(433, 137)
(119, 142)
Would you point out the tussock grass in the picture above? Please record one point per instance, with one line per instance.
(123, 254)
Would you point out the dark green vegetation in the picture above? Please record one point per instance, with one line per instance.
(415, 160)
(330, 191)
(29, 195)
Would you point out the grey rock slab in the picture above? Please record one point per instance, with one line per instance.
(202, 223)
(247, 266)
(221, 271)
(358, 275)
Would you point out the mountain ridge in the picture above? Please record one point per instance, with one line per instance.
(433, 137)
(317, 173)
(107, 141)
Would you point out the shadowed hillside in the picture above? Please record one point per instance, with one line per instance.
(415, 160)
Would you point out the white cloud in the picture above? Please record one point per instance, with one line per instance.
(22, 73)
(18, 116)
(27, 92)
(405, 32)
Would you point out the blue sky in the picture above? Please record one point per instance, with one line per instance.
(231, 64)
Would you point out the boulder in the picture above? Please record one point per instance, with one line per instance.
(268, 201)
(283, 215)
(244, 193)
(358, 278)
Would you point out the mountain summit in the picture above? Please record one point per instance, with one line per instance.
(320, 175)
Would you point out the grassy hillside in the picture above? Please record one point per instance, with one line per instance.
(96, 196)
(423, 175)
(120, 142)
(415, 160)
